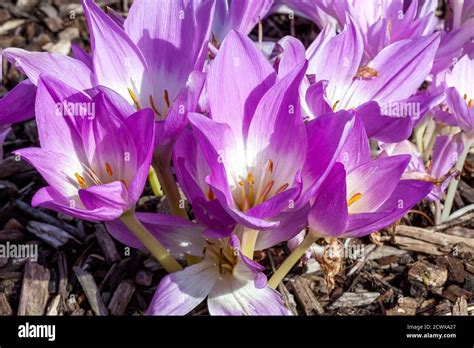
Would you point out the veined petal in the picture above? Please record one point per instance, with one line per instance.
(238, 78)
(330, 201)
(19, 104)
(142, 130)
(113, 196)
(402, 68)
(293, 55)
(356, 149)
(49, 198)
(374, 181)
(276, 124)
(446, 152)
(178, 235)
(291, 223)
(56, 168)
(168, 129)
(338, 61)
(316, 99)
(60, 110)
(35, 63)
(236, 294)
(179, 293)
(384, 128)
(326, 137)
(118, 63)
(80, 54)
(404, 197)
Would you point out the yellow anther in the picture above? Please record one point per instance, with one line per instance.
(354, 199)
(124, 182)
(465, 96)
(470, 103)
(250, 178)
(80, 180)
(134, 98)
(108, 168)
(366, 72)
(335, 105)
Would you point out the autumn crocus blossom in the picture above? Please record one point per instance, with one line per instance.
(382, 92)
(95, 164)
(149, 60)
(251, 166)
(232, 283)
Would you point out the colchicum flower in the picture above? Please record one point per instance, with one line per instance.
(366, 195)
(95, 152)
(232, 283)
(381, 92)
(149, 61)
(253, 165)
(446, 153)
(381, 22)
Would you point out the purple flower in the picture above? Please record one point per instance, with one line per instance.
(252, 150)
(460, 97)
(381, 22)
(446, 153)
(382, 92)
(232, 283)
(95, 154)
(364, 194)
(149, 61)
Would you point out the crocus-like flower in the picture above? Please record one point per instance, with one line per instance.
(149, 61)
(381, 22)
(364, 194)
(460, 97)
(95, 154)
(381, 93)
(254, 144)
(232, 283)
(446, 153)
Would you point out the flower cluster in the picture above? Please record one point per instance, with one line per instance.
(253, 143)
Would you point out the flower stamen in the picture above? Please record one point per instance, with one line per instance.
(80, 181)
(134, 98)
(354, 199)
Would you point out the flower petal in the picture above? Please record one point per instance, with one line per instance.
(19, 104)
(330, 201)
(118, 63)
(237, 295)
(179, 293)
(374, 181)
(178, 235)
(35, 63)
(172, 35)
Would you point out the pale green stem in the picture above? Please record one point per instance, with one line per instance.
(288, 264)
(150, 242)
(419, 132)
(429, 147)
(154, 183)
(448, 203)
(249, 238)
(168, 183)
